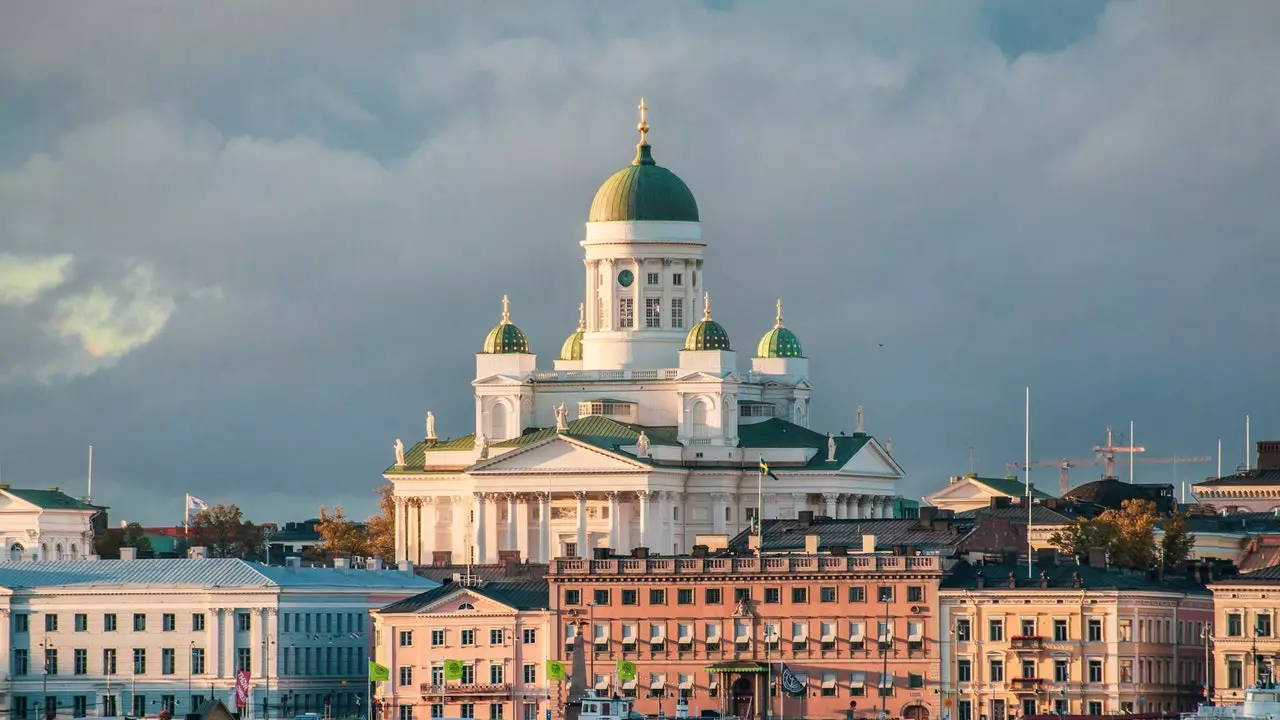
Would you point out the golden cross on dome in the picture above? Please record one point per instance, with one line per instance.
(506, 309)
(706, 306)
(643, 126)
(779, 313)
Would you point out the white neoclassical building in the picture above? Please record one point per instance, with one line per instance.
(104, 638)
(44, 525)
(646, 432)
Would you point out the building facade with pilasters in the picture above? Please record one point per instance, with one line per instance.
(116, 637)
(646, 432)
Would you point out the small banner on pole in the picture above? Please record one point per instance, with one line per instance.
(242, 689)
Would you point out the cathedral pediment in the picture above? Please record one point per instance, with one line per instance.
(701, 376)
(873, 460)
(500, 381)
(561, 455)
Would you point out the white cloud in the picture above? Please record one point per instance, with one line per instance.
(25, 278)
(107, 324)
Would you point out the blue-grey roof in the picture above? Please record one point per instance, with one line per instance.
(206, 573)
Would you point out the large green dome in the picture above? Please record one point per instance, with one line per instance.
(779, 342)
(707, 334)
(572, 347)
(643, 191)
(505, 338)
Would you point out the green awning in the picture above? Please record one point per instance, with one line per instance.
(737, 666)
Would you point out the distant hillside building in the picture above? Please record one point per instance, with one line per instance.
(46, 525)
(1109, 493)
(971, 492)
(1254, 490)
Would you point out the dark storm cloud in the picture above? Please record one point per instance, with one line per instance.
(288, 234)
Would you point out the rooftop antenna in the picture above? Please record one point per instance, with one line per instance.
(973, 460)
(89, 498)
(1248, 457)
(1026, 468)
(1219, 457)
(1130, 452)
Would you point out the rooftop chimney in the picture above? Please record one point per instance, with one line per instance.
(341, 563)
(128, 554)
(806, 518)
(811, 544)
(406, 567)
(1098, 558)
(293, 563)
(868, 543)
(375, 563)
(199, 552)
(1269, 454)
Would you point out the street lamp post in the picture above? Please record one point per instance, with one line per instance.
(886, 644)
(592, 614)
(1205, 633)
(191, 658)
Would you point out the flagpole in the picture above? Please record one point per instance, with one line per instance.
(1026, 468)
(186, 517)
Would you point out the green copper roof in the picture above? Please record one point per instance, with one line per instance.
(707, 335)
(643, 191)
(505, 338)
(779, 343)
(51, 499)
(572, 347)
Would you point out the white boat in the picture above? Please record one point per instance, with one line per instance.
(1261, 702)
(608, 708)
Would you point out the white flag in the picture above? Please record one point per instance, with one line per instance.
(195, 503)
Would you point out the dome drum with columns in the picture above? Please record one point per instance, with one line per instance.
(646, 432)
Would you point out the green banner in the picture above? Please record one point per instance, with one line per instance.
(626, 670)
(452, 669)
(555, 670)
(379, 673)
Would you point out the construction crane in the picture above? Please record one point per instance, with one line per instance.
(1065, 465)
(1104, 455)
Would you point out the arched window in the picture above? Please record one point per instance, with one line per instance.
(698, 420)
(44, 551)
(75, 555)
(15, 552)
(466, 606)
(58, 552)
(498, 422)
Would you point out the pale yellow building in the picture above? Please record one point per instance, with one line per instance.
(1070, 639)
(1245, 645)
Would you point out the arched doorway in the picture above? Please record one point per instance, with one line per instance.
(915, 712)
(15, 552)
(743, 697)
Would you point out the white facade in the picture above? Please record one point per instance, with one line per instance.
(44, 525)
(695, 469)
(302, 633)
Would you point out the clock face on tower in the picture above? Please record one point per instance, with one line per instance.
(625, 278)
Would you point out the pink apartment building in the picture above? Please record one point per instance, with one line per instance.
(498, 631)
(859, 631)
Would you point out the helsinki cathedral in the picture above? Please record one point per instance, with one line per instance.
(646, 432)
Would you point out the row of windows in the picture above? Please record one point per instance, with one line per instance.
(80, 661)
(467, 637)
(467, 711)
(1160, 631)
(110, 622)
(652, 313)
(1261, 625)
(497, 674)
(107, 706)
(333, 623)
(714, 596)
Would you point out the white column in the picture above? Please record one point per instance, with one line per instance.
(614, 521)
(478, 533)
(625, 511)
(459, 509)
(639, 286)
(718, 525)
(212, 642)
(799, 501)
(273, 644)
(662, 538)
(589, 307)
(887, 507)
(676, 500)
(544, 527)
(7, 655)
(228, 642)
(429, 523)
(642, 497)
(257, 644)
(415, 531)
(400, 528)
(855, 507)
(512, 535)
(829, 500)
(582, 524)
(842, 507)
(606, 297)
(527, 551)
(690, 316)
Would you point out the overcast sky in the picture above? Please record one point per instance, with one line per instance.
(244, 246)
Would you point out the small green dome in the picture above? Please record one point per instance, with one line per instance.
(572, 347)
(779, 342)
(505, 338)
(707, 334)
(643, 191)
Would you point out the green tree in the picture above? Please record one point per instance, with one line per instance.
(1175, 546)
(376, 536)
(381, 528)
(224, 531)
(1128, 534)
(108, 544)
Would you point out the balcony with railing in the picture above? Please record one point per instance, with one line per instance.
(1027, 642)
(430, 690)
(1026, 684)
(726, 566)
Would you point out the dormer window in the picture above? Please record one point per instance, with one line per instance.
(621, 410)
(750, 408)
